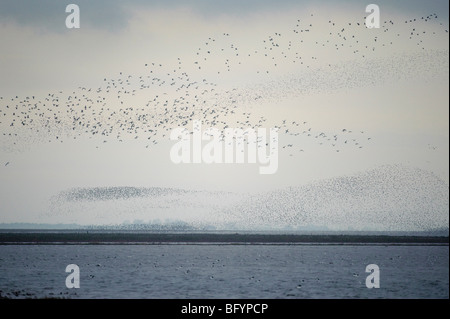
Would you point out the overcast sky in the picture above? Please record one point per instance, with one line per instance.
(392, 88)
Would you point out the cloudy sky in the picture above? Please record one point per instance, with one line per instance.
(348, 99)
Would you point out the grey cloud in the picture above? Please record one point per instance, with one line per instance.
(113, 14)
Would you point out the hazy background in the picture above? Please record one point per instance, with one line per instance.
(397, 95)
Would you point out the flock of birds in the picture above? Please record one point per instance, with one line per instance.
(388, 198)
(147, 106)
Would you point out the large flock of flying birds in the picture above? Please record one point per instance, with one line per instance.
(176, 95)
(391, 197)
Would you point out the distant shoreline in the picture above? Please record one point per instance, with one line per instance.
(126, 238)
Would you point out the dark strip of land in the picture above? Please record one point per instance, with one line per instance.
(237, 238)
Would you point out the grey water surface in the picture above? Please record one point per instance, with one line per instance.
(224, 271)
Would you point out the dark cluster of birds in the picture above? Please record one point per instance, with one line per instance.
(390, 198)
(176, 95)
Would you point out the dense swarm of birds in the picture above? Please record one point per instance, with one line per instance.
(113, 193)
(177, 94)
(389, 198)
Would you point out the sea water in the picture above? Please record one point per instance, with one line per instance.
(224, 271)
